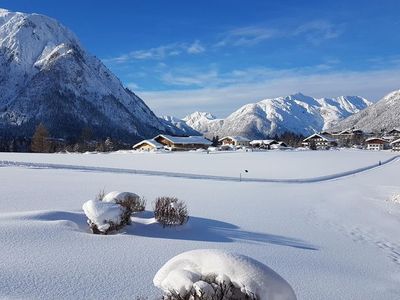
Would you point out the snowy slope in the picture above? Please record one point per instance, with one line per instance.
(295, 113)
(204, 122)
(383, 115)
(47, 76)
(174, 123)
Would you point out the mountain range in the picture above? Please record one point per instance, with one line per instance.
(296, 113)
(47, 76)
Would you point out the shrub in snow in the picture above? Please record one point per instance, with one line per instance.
(105, 217)
(216, 274)
(100, 195)
(131, 201)
(396, 198)
(170, 211)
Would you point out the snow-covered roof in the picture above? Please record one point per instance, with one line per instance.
(236, 138)
(346, 131)
(321, 136)
(376, 138)
(265, 142)
(394, 130)
(395, 142)
(152, 142)
(199, 140)
(326, 132)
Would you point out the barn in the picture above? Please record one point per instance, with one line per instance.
(179, 143)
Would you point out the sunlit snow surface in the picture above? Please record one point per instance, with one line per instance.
(335, 239)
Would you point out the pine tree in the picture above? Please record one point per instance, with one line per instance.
(40, 142)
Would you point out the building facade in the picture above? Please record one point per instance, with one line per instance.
(319, 141)
(376, 144)
(395, 145)
(235, 141)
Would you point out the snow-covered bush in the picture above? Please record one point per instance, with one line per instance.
(396, 198)
(210, 287)
(217, 274)
(170, 211)
(105, 217)
(131, 201)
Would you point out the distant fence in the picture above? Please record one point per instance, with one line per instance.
(6, 163)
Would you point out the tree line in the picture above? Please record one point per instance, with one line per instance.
(42, 142)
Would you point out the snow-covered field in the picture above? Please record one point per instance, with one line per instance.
(269, 164)
(335, 239)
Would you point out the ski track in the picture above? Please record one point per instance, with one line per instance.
(6, 163)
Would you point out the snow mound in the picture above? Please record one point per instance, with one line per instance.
(130, 201)
(104, 216)
(188, 271)
(117, 196)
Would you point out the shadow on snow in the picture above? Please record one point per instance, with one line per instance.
(197, 229)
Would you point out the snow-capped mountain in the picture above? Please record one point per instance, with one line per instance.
(295, 113)
(178, 126)
(204, 122)
(382, 115)
(46, 76)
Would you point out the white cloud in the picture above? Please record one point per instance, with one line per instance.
(319, 30)
(222, 100)
(195, 48)
(314, 31)
(247, 36)
(132, 86)
(159, 53)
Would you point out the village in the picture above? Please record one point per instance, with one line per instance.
(325, 140)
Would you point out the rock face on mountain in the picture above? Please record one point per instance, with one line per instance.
(295, 113)
(46, 76)
(382, 115)
(178, 126)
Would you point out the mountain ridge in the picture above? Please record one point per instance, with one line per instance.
(295, 113)
(47, 76)
(382, 115)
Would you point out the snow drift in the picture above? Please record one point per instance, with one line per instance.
(186, 271)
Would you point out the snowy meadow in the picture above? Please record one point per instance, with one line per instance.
(323, 220)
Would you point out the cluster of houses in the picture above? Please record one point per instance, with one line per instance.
(174, 143)
(322, 140)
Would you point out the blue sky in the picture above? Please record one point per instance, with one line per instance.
(183, 56)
